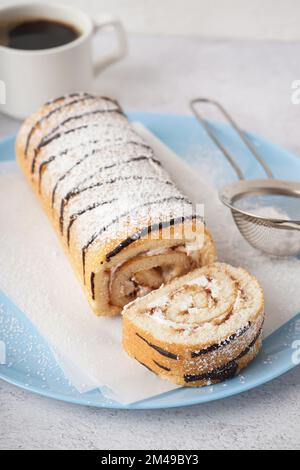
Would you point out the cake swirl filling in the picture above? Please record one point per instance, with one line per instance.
(148, 271)
(209, 299)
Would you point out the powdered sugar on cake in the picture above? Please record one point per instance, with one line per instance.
(86, 151)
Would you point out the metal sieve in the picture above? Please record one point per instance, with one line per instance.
(269, 233)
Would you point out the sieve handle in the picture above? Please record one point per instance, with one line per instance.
(195, 108)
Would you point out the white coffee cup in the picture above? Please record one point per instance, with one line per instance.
(31, 78)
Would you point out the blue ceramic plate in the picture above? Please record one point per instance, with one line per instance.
(29, 361)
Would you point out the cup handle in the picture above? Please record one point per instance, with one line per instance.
(108, 21)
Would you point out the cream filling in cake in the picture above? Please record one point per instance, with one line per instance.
(161, 265)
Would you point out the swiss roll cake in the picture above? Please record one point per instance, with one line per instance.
(125, 226)
(200, 329)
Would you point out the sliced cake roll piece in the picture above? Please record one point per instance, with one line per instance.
(200, 329)
(124, 224)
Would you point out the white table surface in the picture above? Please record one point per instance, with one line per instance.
(253, 79)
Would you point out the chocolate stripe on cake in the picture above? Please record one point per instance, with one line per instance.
(45, 140)
(68, 132)
(57, 136)
(161, 366)
(147, 231)
(125, 214)
(226, 372)
(66, 151)
(248, 349)
(78, 214)
(223, 373)
(215, 347)
(42, 167)
(52, 112)
(61, 98)
(62, 177)
(76, 192)
(93, 285)
(161, 351)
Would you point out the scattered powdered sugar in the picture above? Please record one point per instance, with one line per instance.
(26, 351)
(269, 212)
